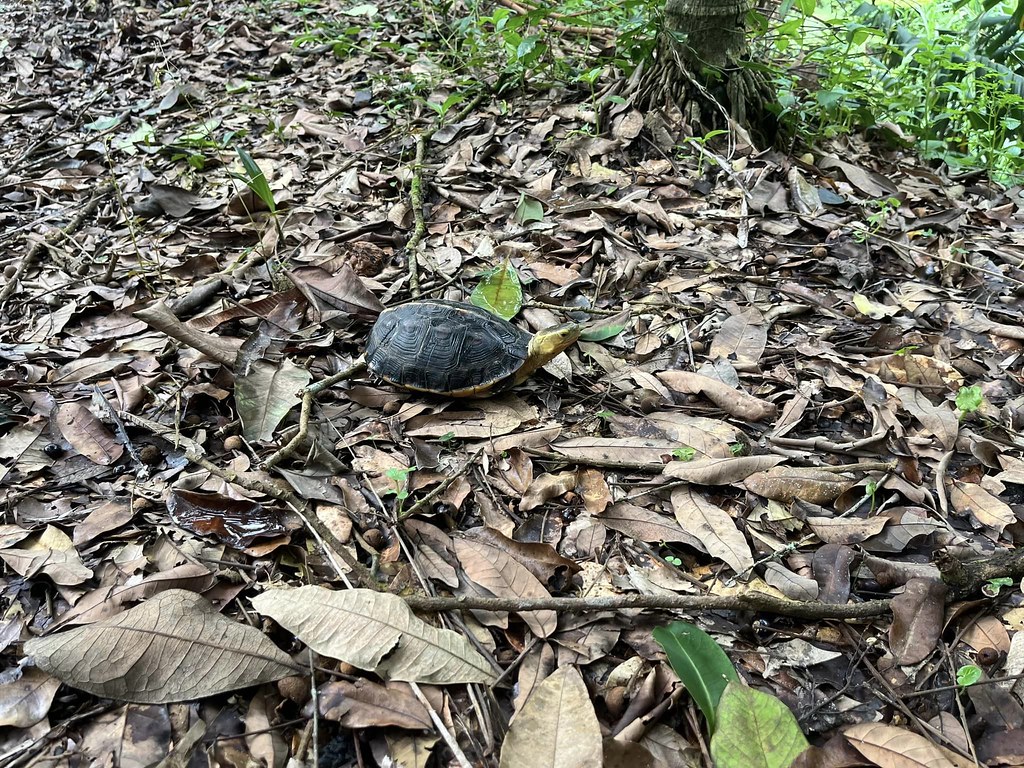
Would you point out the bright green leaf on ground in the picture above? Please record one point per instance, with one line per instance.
(968, 674)
(528, 210)
(500, 292)
(755, 730)
(700, 663)
(256, 180)
(969, 399)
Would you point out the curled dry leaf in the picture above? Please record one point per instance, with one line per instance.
(784, 484)
(547, 487)
(556, 728)
(627, 450)
(971, 498)
(735, 402)
(375, 631)
(741, 340)
(26, 701)
(174, 647)
(364, 704)
(266, 394)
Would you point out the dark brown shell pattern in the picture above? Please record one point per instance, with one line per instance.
(445, 347)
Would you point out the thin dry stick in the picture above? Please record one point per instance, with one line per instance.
(442, 487)
(40, 246)
(751, 601)
(309, 394)
(420, 225)
(453, 745)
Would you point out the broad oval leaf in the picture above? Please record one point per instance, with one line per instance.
(700, 663)
(175, 647)
(500, 292)
(377, 632)
(755, 730)
(266, 394)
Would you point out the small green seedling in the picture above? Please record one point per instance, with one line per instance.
(969, 399)
(968, 674)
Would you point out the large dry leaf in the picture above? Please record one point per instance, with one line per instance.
(784, 484)
(712, 525)
(939, 419)
(724, 471)
(492, 568)
(174, 647)
(917, 617)
(891, 747)
(741, 339)
(266, 394)
(556, 728)
(970, 498)
(377, 632)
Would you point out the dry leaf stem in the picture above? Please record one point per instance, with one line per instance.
(420, 226)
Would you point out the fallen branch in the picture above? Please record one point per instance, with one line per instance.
(752, 601)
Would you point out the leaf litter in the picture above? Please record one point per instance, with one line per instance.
(771, 402)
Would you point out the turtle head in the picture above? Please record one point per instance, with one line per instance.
(550, 342)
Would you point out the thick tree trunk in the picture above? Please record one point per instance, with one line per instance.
(695, 75)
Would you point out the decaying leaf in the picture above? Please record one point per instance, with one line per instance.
(917, 617)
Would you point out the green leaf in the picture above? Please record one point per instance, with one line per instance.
(684, 454)
(103, 123)
(700, 663)
(968, 674)
(256, 180)
(499, 292)
(969, 399)
(528, 210)
(755, 730)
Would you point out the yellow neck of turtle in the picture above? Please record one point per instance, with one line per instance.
(545, 347)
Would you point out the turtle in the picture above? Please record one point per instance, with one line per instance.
(458, 350)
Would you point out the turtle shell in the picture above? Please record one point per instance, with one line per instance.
(447, 348)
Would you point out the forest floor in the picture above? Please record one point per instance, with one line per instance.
(793, 419)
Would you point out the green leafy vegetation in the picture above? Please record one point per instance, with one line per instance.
(969, 399)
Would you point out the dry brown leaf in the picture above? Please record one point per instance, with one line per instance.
(646, 525)
(846, 530)
(972, 499)
(547, 487)
(174, 647)
(792, 585)
(364, 704)
(891, 747)
(26, 700)
(940, 420)
(917, 618)
(987, 632)
(735, 402)
(741, 339)
(375, 631)
(714, 527)
(557, 727)
(785, 484)
(492, 568)
(724, 471)
(483, 419)
(594, 490)
(87, 434)
(628, 450)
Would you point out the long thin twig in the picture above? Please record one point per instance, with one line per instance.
(751, 601)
